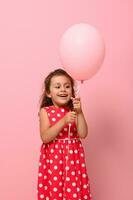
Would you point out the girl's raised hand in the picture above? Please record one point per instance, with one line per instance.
(76, 104)
(70, 117)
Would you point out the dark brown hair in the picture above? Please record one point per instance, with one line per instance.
(45, 100)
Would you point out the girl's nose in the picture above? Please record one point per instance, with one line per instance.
(63, 88)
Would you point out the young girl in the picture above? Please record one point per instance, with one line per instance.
(62, 170)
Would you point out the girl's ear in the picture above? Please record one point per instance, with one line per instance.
(48, 95)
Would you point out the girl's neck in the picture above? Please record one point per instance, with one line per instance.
(60, 106)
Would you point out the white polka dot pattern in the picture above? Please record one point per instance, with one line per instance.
(62, 171)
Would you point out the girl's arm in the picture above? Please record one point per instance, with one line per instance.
(82, 127)
(81, 123)
(47, 132)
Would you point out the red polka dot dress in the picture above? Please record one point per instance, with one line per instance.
(62, 173)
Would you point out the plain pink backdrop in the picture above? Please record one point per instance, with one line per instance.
(30, 31)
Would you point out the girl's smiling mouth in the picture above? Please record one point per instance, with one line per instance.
(62, 95)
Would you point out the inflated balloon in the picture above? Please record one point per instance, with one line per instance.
(82, 51)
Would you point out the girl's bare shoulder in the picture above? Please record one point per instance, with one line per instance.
(43, 112)
(44, 120)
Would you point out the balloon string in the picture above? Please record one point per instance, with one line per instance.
(68, 142)
(68, 148)
(78, 88)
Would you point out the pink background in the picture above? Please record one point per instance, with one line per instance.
(29, 38)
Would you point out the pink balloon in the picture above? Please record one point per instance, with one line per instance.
(82, 51)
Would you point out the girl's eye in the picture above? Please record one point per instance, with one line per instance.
(57, 87)
(68, 86)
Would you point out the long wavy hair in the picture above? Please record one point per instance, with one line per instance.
(44, 99)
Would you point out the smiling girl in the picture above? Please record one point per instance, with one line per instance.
(62, 173)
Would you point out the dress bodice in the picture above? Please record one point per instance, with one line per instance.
(55, 114)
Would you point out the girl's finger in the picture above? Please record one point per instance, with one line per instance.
(75, 98)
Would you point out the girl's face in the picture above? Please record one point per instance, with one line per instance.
(60, 90)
